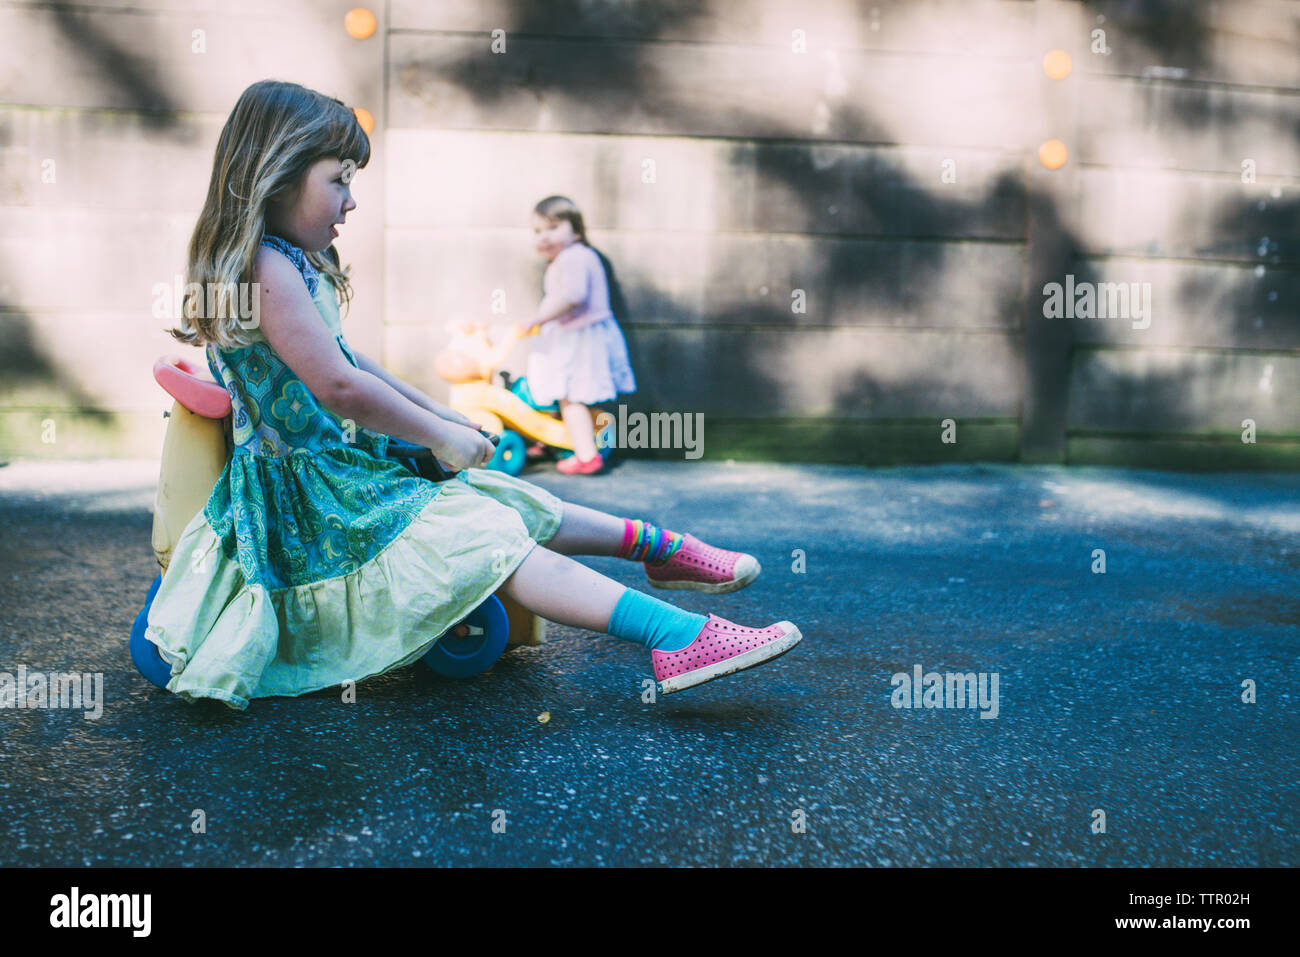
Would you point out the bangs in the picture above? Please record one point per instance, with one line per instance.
(343, 137)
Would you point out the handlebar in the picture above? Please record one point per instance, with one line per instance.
(422, 461)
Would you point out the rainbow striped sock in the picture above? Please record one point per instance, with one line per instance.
(645, 542)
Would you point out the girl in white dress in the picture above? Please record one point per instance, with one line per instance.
(580, 357)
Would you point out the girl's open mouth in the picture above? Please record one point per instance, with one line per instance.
(334, 231)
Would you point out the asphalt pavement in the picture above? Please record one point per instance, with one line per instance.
(1118, 735)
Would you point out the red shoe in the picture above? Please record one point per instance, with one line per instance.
(571, 465)
(721, 648)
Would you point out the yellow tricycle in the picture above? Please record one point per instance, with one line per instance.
(471, 362)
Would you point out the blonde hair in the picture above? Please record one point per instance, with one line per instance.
(273, 136)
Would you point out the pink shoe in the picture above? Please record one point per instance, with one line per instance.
(571, 465)
(721, 648)
(701, 567)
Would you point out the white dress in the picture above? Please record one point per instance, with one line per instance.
(582, 356)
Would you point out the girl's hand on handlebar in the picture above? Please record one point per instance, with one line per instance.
(465, 448)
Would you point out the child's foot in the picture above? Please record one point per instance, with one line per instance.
(572, 466)
(702, 567)
(536, 451)
(721, 648)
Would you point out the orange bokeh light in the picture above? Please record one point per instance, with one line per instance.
(365, 119)
(359, 22)
(1052, 154)
(1057, 64)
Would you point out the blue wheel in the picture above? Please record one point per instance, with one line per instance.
(144, 653)
(512, 453)
(473, 646)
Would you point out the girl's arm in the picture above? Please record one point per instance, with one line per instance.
(552, 306)
(289, 320)
(567, 290)
(424, 401)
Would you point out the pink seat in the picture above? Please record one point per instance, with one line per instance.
(182, 381)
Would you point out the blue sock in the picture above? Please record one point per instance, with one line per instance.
(656, 624)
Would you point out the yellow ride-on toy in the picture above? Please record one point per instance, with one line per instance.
(195, 449)
(470, 362)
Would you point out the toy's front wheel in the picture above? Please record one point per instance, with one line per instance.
(472, 646)
(511, 455)
(144, 653)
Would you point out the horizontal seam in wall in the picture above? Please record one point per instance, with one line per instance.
(1227, 436)
(1171, 347)
(1287, 266)
(1234, 176)
(1188, 83)
(736, 233)
(1017, 154)
(814, 48)
(774, 327)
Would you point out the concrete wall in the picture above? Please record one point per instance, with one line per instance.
(876, 162)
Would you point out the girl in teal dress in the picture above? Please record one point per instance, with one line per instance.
(317, 559)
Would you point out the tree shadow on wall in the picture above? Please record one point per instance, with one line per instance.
(875, 202)
(25, 362)
(135, 78)
(577, 79)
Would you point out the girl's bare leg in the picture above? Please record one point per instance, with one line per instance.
(582, 430)
(561, 590)
(585, 531)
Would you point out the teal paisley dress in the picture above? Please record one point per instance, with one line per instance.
(317, 560)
